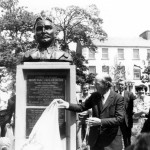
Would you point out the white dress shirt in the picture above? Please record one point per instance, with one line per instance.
(105, 96)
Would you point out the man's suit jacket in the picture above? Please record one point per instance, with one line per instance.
(111, 115)
(128, 104)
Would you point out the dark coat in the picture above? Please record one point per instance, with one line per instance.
(146, 126)
(6, 115)
(128, 102)
(111, 115)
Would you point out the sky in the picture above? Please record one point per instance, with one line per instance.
(121, 18)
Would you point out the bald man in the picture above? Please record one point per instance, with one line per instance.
(107, 115)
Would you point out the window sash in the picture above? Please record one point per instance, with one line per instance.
(135, 53)
(92, 69)
(105, 69)
(91, 54)
(104, 53)
(137, 74)
(148, 54)
(121, 53)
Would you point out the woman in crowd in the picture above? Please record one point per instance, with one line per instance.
(141, 142)
(140, 110)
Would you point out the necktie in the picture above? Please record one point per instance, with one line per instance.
(101, 102)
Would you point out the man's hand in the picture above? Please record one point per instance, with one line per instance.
(93, 121)
(62, 103)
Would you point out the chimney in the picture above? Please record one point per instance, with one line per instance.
(145, 35)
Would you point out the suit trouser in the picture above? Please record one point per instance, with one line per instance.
(116, 144)
(81, 130)
(126, 133)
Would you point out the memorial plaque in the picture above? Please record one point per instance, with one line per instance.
(37, 85)
(42, 89)
(33, 114)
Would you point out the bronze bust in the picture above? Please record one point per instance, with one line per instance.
(47, 50)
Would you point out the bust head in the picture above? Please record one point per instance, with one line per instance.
(47, 50)
(44, 31)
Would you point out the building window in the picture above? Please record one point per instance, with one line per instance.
(85, 52)
(104, 53)
(120, 53)
(148, 54)
(91, 54)
(92, 69)
(136, 54)
(137, 74)
(105, 69)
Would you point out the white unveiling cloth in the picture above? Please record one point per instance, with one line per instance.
(45, 134)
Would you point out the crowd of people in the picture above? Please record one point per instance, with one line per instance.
(118, 118)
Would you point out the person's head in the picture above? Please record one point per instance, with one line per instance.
(4, 148)
(142, 142)
(44, 31)
(120, 85)
(103, 83)
(85, 88)
(141, 89)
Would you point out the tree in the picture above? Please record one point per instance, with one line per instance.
(77, 25)
(16, 25)
(15, 33)
(81, 75)
(81, 26)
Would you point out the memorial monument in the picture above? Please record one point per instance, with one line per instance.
(46, 74)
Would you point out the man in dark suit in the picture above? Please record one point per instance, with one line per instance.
(107, 115)
(127, 124)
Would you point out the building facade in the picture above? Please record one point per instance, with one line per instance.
(121, 58)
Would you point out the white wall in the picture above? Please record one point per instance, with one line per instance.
(128, 61)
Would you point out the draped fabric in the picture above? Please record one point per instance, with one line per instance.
(45, 134)
(10, 135)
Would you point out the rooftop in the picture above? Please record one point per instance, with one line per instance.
(123, 42)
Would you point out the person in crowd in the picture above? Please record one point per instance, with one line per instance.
(6, 119)
(146, 126)
(142, 142)
(127, 124)
(6, 115)
(140, 110)
(107, 115)
(81, 124)
(47, 49)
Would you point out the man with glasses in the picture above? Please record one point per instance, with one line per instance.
(47, 49)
